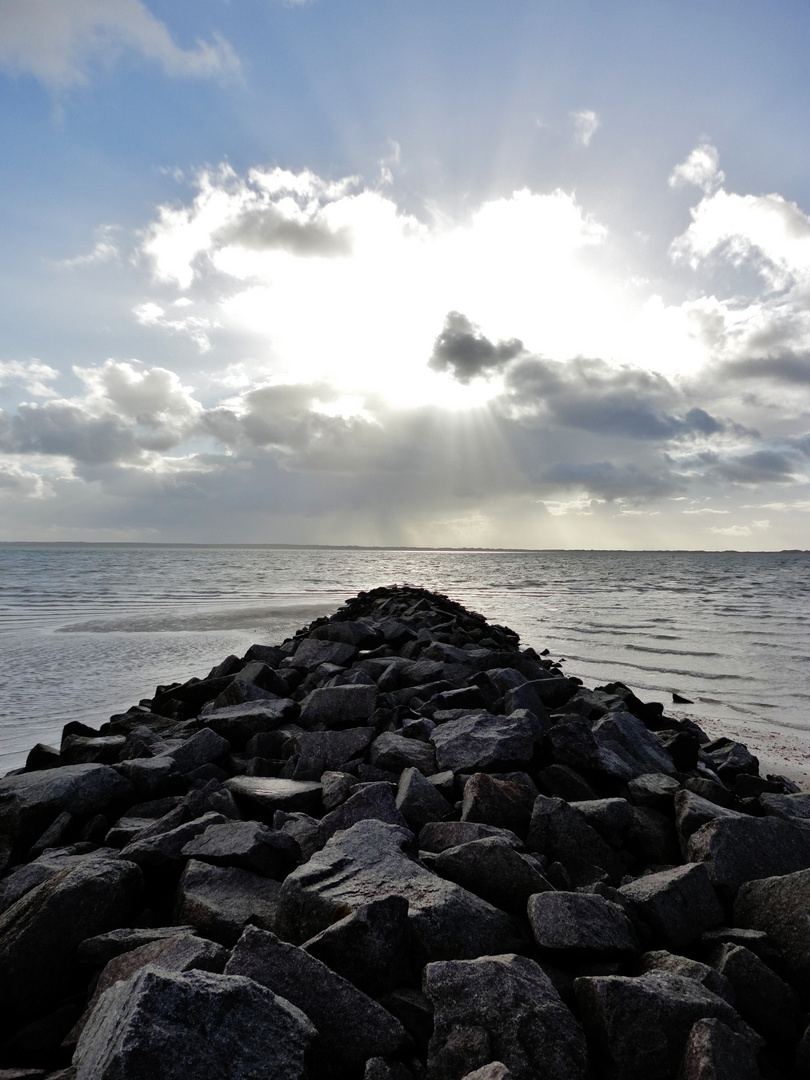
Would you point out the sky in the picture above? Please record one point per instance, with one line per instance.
(477, 273)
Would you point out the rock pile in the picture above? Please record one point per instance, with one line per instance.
(399, 847)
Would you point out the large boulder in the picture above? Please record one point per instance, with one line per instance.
(677, 904)
(370, 861)
(506, 801)
(239, 723)
(637, 1028)
(480, 740)
(745, 849)
(220, 901)
(319, 751)
(338, 706)
(261, 796)
(500, 1008)
(351, 1026)
(374, 801)
(29, 802)
(493, 870)
(780, 906)
(571, 926)
(558, 831)
(246, 844)
(371, 947)
(175, 1025)
(769, 1005)
(40, 933)
(715, 1052)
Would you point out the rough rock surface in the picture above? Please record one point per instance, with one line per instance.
(444, 852)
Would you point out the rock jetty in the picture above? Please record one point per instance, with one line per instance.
(400, 847)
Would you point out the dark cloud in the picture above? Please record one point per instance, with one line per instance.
(592, 396)
(62, 429)
(605, 480)
(767, 466)
(790, 368)
(466, 353)
(267, 228)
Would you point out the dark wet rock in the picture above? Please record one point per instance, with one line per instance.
(480, 740)
(769, 1005)
(564, 782)
(370, 861)
(25, 876)
(396, 752)
(613, 818)
(152, 777)
(728, 758)
(42, 756)
(745, 849)
(637, 1028)
(683, 747)
(500, 1008)
(337, 787)
(440, 835)
(79, 749)
(653, 838)
(576, 925)
(239, 723)
(338, 706)
(419, 801)
(554, 690)
(361, 635)
(714, 1052)
(525, 696)
(790, 807)
(779, 906)
(319, 751)
(379, 1068)
(403, 674)
(246, 844)
(370, 947)
(505, 800)
(678, 904)
(193, 1023)
(493, 870)
(351, 1026)
(261, 796)
(661, 960)
(40, 933)
(712, 790)
(653, 789)
(219, 901)
(562, 834)
(417, 727)
(99, 950)
(29, 802)
(755, 940)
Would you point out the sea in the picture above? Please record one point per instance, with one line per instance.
(87, 630)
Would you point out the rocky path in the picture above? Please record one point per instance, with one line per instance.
(399, 847)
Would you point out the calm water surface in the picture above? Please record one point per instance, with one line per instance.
(87, 630)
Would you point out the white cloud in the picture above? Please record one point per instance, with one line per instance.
(765, 231)
(56, 40)
(586, 123)
(32, 375)
(740, 530)
(196, 327)
(701, 168)
(104, 250)
(16, 482)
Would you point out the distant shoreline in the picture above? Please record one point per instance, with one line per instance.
(394, 547)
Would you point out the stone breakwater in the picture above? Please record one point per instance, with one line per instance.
(399, 847)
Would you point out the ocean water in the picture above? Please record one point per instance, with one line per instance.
(88, 630)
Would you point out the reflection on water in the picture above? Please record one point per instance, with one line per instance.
(87, 630)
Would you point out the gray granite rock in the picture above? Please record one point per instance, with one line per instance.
(561, 833)
(246, 844)
(576, 925)
(745, 849)
(505, 801)
(769, 1005)
(175, 1025)
(439, 835)
(371, 861)
(480, 740)
(714, 1052)
(638, 1028)
(165, 850)
(500, 1008)
(40, 933)
(373, 801)
(338, 706)
(240, 723)
(371, 947)
(419, 801)
(261, 796)
(678, 904)
(397, 752)
(492, 869)
(661, 960)
(219, 901)
(779, 906)
(351, 1026)
(319, 751)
